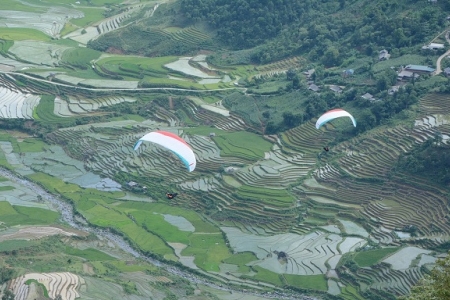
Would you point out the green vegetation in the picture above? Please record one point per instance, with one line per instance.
(371, 257)
(91, 15)
(89, 254)
(31, 145)
(267, 276)
(311, 282)
(279, 197)
(6, 188)
(41, 285)
(18, 6)
(21, 215)
(80, 57)
(19, 34)
(433, 286)
(44, 113)
(241, 258)
(11, 245)
(209, 250)
(430, 160)
(242, 144)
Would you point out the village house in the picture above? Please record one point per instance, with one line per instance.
(347, 73)
(132, 184)
(393, 89)
(309, 73)
(433, 46)
(406, 75)
(313, 88)
(447, 71)
(419, 69)
(368, 96)
(335, 88)
(383, 55)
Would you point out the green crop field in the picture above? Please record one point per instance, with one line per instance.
(19, 34)
(19, 6)
(31, 145)
(20, 215)
(241, 258)
(209, 250)
(156, 223)
(267, 276)
(312, 282)
(371, 257)
(16, 245)
(44, 112)
(242, 144)
(89, 254)
(91, 15)
(137, 63)
(39, 284)
(404, 60)
(6, 188)
(161, 208)
(80, 57)
(275, 197)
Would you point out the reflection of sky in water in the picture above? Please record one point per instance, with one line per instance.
(180, 222)
(57, 163)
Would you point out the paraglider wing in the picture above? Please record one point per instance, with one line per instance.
(333, 114)
(171, 142)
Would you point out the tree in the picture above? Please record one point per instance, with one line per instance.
(295, 83)
(8, 295)
(433, 286)
(290, 74)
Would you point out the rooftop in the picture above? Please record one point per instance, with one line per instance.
(419, 68)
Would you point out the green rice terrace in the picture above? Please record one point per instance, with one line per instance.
(265, 210)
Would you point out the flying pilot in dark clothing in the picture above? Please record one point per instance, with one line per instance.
(171, 195)
(326, 148)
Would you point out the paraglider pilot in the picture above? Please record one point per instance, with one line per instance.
(171, 195)
(326, 148)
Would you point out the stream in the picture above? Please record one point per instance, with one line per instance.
(67, 216)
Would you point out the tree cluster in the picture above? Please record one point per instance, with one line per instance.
(430, 160)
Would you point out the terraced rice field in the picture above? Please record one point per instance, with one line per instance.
(16, 105)
(104, 26)
(76, 106)
(306, 255)
(64, 283)
(50, 21)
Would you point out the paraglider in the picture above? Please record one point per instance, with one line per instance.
(173, 143)
(333, 114)
(326, 148)
(171, 195)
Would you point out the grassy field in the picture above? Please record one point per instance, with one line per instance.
(311, 282)
(91, 16)
(241, 258)
(31, 145)
(156, 223)
(241, 144)
(209, 250)
(20, 34)
(136, 64)
(19, 6)
(80, 57)
(399, 61)
(88, 254)
(44, 112)
(267, 276)
(275, 197)
(41, 285)
(16, 245)
(20, 215)
(371, 257)
(68, 28)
